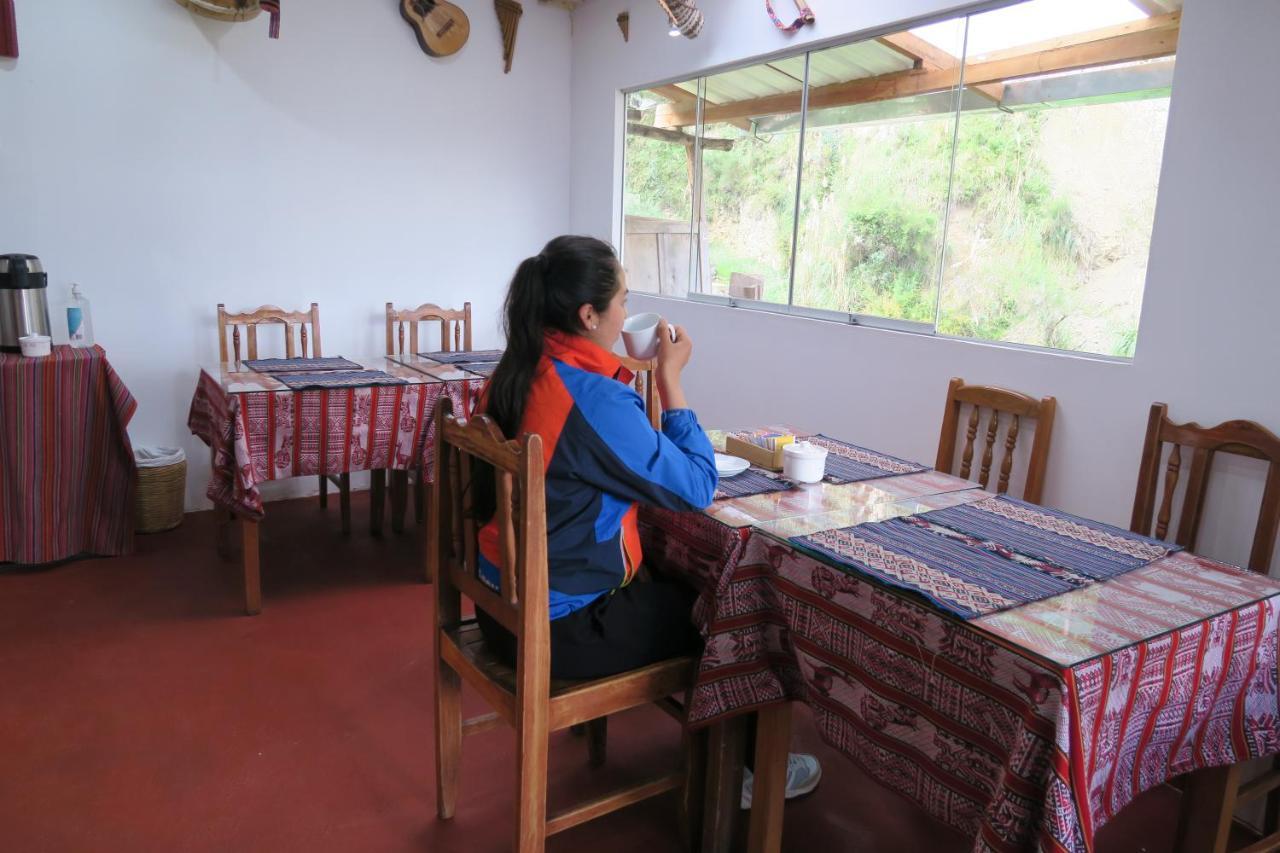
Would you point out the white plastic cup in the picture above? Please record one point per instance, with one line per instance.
(640, 335)
(803, 462)
(35, 346)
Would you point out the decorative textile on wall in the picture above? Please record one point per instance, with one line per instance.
(806, 16)
(8, 30)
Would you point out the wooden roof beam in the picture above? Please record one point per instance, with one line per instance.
(1089, 51)
(927, 55)
(679, 137)
(687, 99)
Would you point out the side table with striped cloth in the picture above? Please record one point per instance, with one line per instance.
(69, 473)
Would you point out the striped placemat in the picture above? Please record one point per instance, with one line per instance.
(849, 463)
(288, 365)
(988, 556)
(469, 357)
(481, 369)
(752, 481)
(338, 379)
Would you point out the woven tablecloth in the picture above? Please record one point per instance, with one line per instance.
(69, 474)
(1027, 734)
(257, 436)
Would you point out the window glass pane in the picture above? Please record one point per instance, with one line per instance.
(1054, 193)
(749, 180)
(657, 194)
(877, 166)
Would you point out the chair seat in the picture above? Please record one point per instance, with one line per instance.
(572, 700)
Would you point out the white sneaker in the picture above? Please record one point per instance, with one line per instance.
(803, 775)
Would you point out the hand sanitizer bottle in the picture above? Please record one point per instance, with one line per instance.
(79, 323)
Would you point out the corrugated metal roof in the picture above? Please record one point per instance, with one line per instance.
(834, 65)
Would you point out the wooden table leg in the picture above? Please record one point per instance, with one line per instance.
(377, 500)
(399, 498)
(344, 500)
(773, 743)
(1208, 804)
(726, 748)
(249, 556)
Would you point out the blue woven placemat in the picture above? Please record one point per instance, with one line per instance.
(289, 365)
(990, 556)
(338, 379)
(481, 368)
(752, 481)
(473, 356)
(849, 463)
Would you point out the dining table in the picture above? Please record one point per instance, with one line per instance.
(1024, 718)
(261, 425)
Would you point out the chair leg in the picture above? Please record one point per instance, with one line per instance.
(223, 520)
(324, 491)
(692, 796)
(773, 740)
(448, 737)
(1208, 805)
(252, 579)
(399, 498)
(597, 741)
(377, 500)
(531, 784)
(726, 747)
(1271, 819)
(419, 497)
(344, 499)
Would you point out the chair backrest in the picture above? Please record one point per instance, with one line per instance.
(520, 603)
(1016, 407)
(645, 386)
(409, 318)
(270, 314)
(1244, 438)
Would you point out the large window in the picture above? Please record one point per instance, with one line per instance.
(989, 177)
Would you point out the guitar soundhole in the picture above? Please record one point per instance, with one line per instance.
(448, 25)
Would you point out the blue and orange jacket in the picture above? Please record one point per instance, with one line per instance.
(602, 457)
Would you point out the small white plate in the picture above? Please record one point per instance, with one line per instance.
(730, 466)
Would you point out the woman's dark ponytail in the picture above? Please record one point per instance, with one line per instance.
(523, 324)
(546, 293)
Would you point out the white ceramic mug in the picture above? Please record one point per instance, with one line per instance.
(640, 335)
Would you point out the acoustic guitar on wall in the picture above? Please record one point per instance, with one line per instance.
(441, 27)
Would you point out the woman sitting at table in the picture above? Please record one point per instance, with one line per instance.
(560, 379)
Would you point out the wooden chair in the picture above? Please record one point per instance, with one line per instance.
(270, 314)
(645, 386)
(1211, 795)
(525, 697)
(998, 400)
(398, 320)
(459, 340)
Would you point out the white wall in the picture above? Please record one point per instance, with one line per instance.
(167, 163)
(1206, 346)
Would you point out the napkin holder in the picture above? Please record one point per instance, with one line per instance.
(761, 457)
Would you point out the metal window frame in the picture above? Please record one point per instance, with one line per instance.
(925, 329)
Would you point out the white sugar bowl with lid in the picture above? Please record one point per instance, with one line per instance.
(803, 462)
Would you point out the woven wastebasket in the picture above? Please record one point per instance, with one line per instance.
(162, 485)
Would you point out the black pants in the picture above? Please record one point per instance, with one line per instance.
(636, 625)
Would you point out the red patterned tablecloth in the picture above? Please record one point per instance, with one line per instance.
(69, 472)
(1027, 729)
(262, 435)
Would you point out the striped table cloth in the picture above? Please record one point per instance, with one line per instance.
(69, 474)
(259, 436)
(1025, 729)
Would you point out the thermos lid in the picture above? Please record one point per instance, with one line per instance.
(804, 450)
(22, 272)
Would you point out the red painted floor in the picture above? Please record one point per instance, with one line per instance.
(140, 711)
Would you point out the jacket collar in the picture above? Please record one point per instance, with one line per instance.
(577, 351)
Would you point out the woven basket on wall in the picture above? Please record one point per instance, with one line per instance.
(224, 10)
(157, 505)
